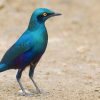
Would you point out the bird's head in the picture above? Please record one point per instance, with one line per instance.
(40, 15)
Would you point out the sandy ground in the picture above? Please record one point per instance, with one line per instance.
(70, 67)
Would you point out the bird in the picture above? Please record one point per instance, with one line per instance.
(29, 48)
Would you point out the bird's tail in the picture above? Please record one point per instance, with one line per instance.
(3, 67)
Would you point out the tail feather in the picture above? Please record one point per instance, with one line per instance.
(3, 67)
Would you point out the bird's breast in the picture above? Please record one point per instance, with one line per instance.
(40, 43)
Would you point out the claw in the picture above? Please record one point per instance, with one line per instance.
(26, 93)
(38, 91)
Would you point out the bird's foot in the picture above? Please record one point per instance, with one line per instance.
(40, 92)
(26, 93)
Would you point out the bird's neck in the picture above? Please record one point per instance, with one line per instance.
(34, 25)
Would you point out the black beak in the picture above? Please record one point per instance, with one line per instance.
(54, 14)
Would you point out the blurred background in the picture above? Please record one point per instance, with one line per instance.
(70, 67)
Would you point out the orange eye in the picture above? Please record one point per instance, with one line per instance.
(44, 14)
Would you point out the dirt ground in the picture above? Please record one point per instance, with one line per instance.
(70, 67)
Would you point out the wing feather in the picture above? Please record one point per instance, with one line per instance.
(21, 46)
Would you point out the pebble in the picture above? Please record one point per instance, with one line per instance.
(82, 49)
(2, 4)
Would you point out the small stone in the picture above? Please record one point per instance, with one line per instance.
(2, 4)
(98, 96)
(96, 90)
(82, 49)
(48, 73)
(64, 64)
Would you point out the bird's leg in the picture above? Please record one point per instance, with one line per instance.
(31, 73)
(18, 77)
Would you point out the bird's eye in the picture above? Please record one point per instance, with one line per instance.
(44, 14)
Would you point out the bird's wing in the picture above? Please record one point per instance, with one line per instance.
(22, 45)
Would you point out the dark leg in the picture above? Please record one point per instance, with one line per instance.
(31, 73)
(18, 77)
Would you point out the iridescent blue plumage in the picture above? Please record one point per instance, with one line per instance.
(29, 48)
